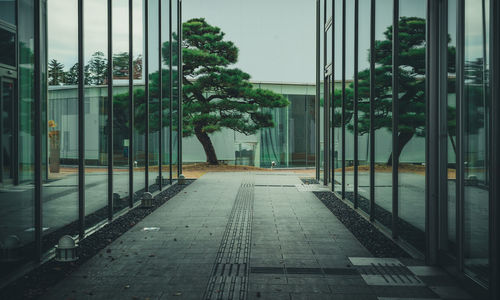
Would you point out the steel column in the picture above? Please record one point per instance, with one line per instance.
(110, 109)
(131, 105)
(146, 88)
(180, 70)
(343, 96)
(160, 99)
(81, 123)
(356, 96)
(38, 128)
(318, 88)
(171, 91)
(372, 110)
(432, 130)
(395, 117)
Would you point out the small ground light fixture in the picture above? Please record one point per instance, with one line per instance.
(273, 164)
(147, 200)
(66, 249)
(9, 249)
(182, 179)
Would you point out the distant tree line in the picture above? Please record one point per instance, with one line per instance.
(95, 70)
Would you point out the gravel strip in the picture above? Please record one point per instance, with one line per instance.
(368, 235)
(35, 283)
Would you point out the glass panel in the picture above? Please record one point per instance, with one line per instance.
(154, 93)
(476, 139)
(412, 118)
(8, 46)
(337, 100)
(140, 118)
(175, 88)
(165, 86)
(328, 9)
(349, 102)
(60, 192)
(120, 105)
(16, 215)
(451, 125)
(383, 111)
(96, 112)
(364, 106)
(8, 11)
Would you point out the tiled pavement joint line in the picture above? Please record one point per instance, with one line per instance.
(229, 277)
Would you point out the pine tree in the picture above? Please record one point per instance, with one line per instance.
(56, 72)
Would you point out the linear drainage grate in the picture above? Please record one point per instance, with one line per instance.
(267, 270)
(304, 271)
(229, 278)
(340, 271)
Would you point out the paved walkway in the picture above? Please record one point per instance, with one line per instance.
(246, 236)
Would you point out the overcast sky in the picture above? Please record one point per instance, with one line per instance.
(276, 38)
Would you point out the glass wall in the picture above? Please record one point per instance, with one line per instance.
(64, 199)
(476, 140)
(451, 125)
(337, 98)
(455, 148)
(16, 162)
(154, 94)
(175, 88)
(139, 133)
(412, 122)
(121, 105)
(364, 106)
(383, 112)
(60, 193)
(96, 115)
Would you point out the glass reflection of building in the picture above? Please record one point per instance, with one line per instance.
(413, 117)
(74, 150)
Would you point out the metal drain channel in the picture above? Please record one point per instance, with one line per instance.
(229, 277)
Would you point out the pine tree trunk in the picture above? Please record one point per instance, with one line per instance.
(207, 146)
(403, 139)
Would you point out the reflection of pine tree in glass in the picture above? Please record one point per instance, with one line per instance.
(412, 68)
(214, 95)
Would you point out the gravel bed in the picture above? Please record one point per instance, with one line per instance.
(407, 231)
(34, 284)
(368, 235)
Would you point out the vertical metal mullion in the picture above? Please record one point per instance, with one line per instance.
(180, 71)
(160, 99)
(432, 130)
(332, 125)
(443, 129)
(395, 116)
(38, 130)
(343, 95)
(81, 123)
(110, 109)
(326, 103)
(171, 93)
(146, 88)
(131, 105)
(356, 96)
(495, 149)
(318, 89)
(372, 110)
(460, 131)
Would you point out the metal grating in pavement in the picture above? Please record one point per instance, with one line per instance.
(229, 277)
